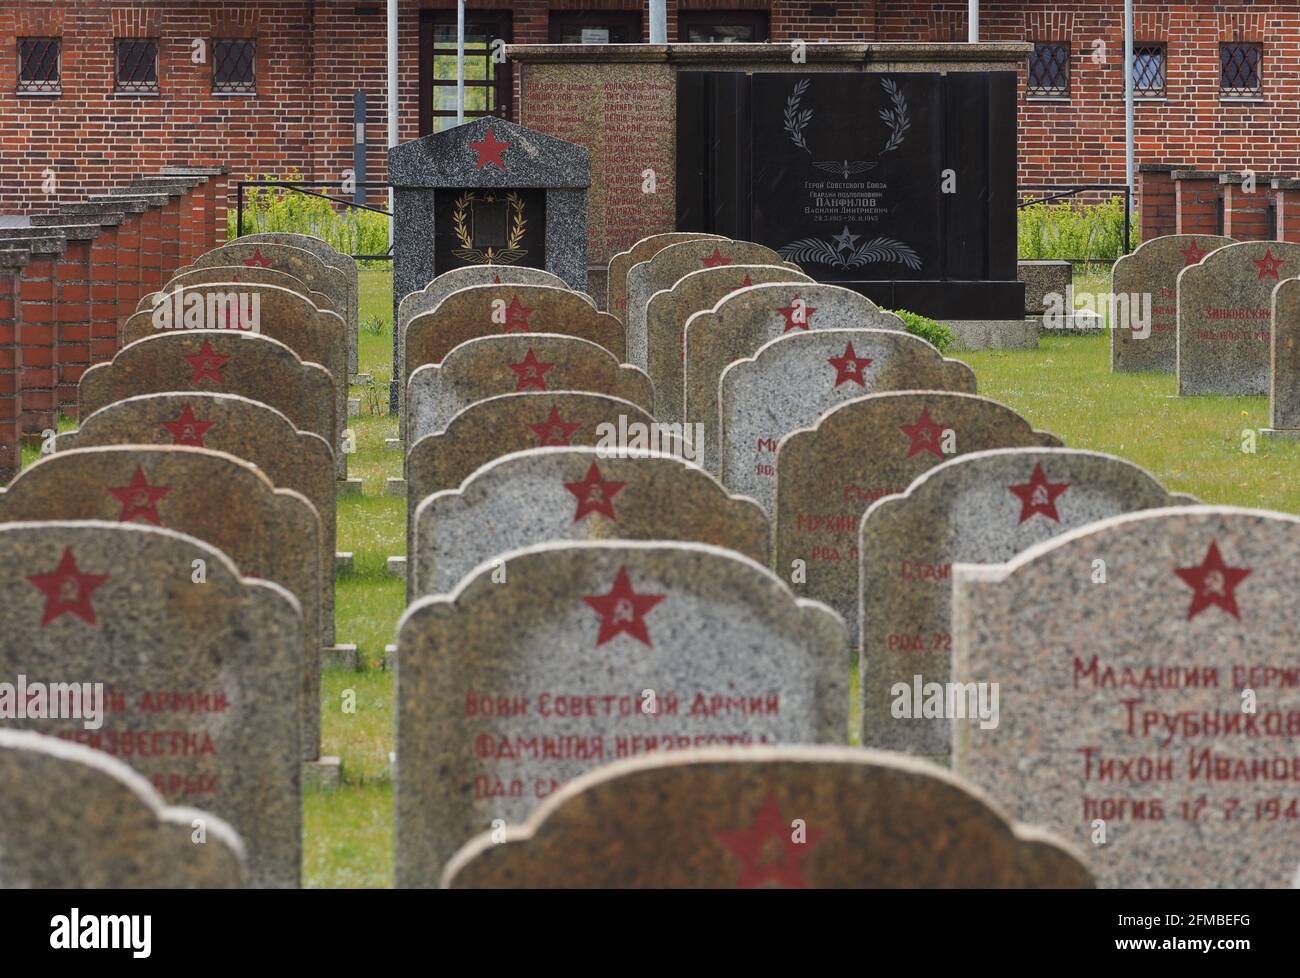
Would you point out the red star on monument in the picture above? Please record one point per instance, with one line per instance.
(848, 366)
(715, 259)
(1269, 266)
(1039, 496)
(796, 307)
(257, 261)
(554, 431)
(1192, 254)
(496, 279)
(489, 151)
(594, 494)
(67, 590)
(1214, 583)
(207, 365)
(622, 610)
(925, 436)
(532, 374)
(139, 499)
(187, 429)
(767, 850)
(517, 316)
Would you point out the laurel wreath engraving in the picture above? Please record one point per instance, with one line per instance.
(508, 255)
(896, 118)
(819, 251)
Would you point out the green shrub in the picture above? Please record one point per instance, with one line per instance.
(1073, 230)
(936, 334)
(349, 230)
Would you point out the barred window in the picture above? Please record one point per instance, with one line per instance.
(38, 66)
(1049, 68)
(1239, 69)
(1149, 69)
(233, 66)
(137, 65)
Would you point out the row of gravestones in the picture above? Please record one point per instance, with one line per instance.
(1223, 315)
(178, 549)
(576, 603)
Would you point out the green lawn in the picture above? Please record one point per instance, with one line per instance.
(1191, 444)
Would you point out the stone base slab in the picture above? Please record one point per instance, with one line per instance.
(992, 334)
(348, 487)
(392, 444)
(342, 562)
(395, 487)
(1283, 434)
(339, 657)
(327, 772)
(397, 567)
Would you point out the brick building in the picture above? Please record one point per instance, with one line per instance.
(95, 90)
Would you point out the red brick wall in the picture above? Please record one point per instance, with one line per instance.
(311, 57)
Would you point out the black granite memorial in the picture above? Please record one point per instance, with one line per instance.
(900, 186)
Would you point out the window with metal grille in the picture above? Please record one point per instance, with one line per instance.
(1239, 69)
(137, 65)
(1149, 69)
(487, 82)
(233, 66)
(38, 66)
(1049, 68)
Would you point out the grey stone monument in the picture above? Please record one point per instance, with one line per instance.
(486, 193)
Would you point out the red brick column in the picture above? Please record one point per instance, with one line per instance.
(115, 266)
(12, 262)
(216, 188)
(73, 314)
(37, 336)
(1286, 197)
(1245, 213)
(1156, 205)
(1196, 202)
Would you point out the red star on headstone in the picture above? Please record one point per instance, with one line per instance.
(67, 590)
(207, 365)
(1269, 266)
(715, 259)
(594, 494)
(554, 431)
(187, 429)
(517, 315)
(257, 261)
(848, 366)
(1039, 496)
(139, 499)
(532, 374)
(1213, 582)
(790, 311)
(622, 610)
(496, 279)
(489, 151)
(767, 850)
(925, 436)
(1192, 254)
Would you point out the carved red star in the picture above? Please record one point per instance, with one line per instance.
(531, 373)
(207, 365)
(594, 494)
(925, 436)
(1192, 254)
(489, 151)
(257, 261)
(1269, 266)
(796, 307)
(848, 366)
(1039, 496)
(187, 429)
(622, 610)
(554, 431)
(496, 279)
(67, 590)
(139, 499)
(1213, 582)
(715, 259)
(767, 850)
(517, 315)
